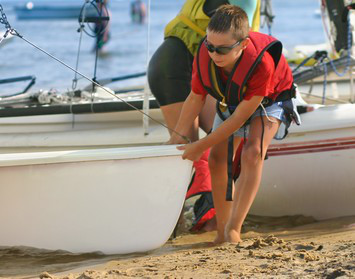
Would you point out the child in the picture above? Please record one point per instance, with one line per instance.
(246, 72)
(169, 76)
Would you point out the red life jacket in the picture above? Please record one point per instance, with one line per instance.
(232, 92)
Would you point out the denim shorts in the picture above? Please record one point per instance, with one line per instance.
(275, 111)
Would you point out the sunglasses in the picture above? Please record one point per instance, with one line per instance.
(223, 50)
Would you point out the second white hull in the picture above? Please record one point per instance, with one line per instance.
(311, 172)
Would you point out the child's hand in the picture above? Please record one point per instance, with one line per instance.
(192, 151)
(176, 139)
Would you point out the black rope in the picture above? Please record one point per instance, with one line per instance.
(229, 193)
(318, 55)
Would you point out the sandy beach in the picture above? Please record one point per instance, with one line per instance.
(285, 247)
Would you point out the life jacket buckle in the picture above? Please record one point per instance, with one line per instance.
(265, 101)
(223, 106)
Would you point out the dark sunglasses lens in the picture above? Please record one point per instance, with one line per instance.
(219, 50)
(223, 50)
(209, 47)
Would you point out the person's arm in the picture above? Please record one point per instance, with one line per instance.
(242, 113)
(190, 110)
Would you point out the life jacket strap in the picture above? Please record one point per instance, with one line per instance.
(229, 192)
(222, 104)
(191, 24)
(283, 96)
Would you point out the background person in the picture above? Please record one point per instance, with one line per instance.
(138, 11)
(102, 28)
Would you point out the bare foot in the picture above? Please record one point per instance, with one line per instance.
(232, 236)
(210, 225)
(219, 239)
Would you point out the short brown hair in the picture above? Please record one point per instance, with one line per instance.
(230, 18)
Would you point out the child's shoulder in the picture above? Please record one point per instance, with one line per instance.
(267, 64)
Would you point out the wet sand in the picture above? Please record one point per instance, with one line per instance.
(286, 247)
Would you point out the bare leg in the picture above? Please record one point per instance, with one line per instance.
(251, 171)
(171, 115)
(218, 169)
(172, 112)
(207, 114)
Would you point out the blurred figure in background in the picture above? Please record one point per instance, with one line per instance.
(138, 11)
(102, 27)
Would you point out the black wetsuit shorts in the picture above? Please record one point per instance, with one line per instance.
(169, 72)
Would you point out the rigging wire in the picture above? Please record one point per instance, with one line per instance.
(81, 28)
(12, 31)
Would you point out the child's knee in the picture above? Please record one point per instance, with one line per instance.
(215, 159)
(251, 154)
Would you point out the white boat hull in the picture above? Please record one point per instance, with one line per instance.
(120, 200)
(81, 130)
(311, 172)
(309, 175)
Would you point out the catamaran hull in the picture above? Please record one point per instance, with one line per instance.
(311, 172)
(62, 131)
(311, 181)
(119, 200)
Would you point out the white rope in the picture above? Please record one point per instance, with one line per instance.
(271, 120)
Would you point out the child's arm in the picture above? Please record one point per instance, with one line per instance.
(242, 113)
(190, 110)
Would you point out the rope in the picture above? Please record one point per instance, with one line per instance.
(331, 62)
(347, 66)
(271, 120)
(318, 56)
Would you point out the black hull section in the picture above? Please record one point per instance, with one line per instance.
(98, 107)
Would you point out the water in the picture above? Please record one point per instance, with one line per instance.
(295, 23)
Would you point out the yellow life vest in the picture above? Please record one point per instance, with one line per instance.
(256, 18)
(191, 23)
